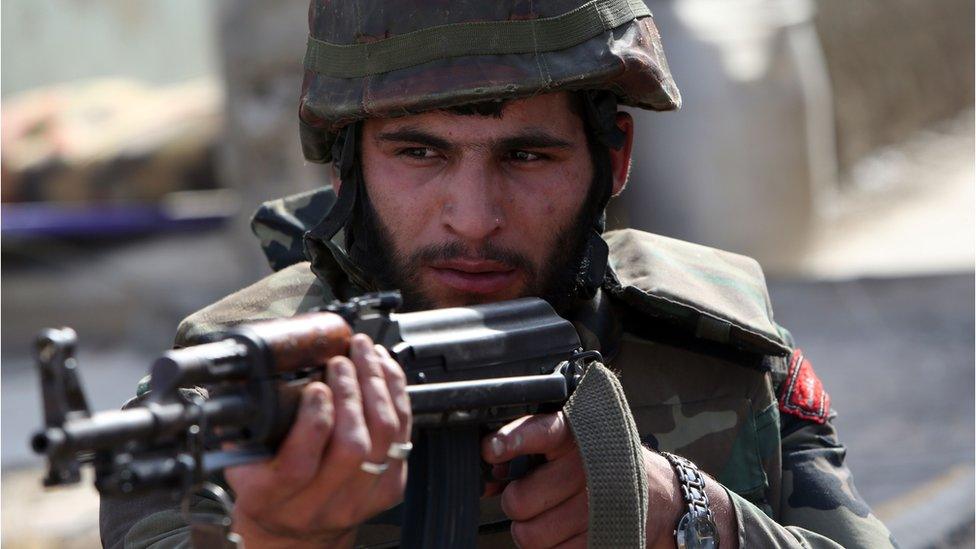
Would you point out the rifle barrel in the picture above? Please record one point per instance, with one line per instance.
(155, 421)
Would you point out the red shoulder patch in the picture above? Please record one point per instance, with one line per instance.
(802, 394)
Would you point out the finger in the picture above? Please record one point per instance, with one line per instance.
(396, 383)
(546, 434)
(381, 418)
(493, 447)
(300, 454)
(561, 523)
(340, 478)
(496, 481)
(492, 489)
(501, 471)
(544, 488)
(298, 457)
(389, 489)
(350, 443)
(576, 542)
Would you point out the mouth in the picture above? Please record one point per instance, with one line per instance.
(474, 276)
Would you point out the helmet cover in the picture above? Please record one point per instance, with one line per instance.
(383, 59)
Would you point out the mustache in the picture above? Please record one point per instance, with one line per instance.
(487, 251)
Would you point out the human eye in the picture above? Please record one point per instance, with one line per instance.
(417, 153)
(525, 157)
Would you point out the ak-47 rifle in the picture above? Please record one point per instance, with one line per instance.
(468, 369)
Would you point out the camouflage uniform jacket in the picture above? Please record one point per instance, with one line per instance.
(706, 371)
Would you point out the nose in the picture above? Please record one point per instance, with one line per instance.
(473, 209)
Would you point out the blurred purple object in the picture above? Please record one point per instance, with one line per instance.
(36, 219)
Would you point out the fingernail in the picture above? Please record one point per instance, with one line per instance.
(316, 400)
(517, 443)
(367, 348)
(338, 369)
(497, 446)
(360, 344)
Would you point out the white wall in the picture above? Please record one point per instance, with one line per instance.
(49, 41)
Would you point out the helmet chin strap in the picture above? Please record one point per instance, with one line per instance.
(319, 243)
(600, 118)
(599, 114)
(600, 111)
(344, 153)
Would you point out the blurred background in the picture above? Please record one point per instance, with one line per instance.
(831, 139)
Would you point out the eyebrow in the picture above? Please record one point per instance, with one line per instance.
(411, 134)
(531, 138)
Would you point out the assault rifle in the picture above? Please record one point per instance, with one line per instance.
(469, 369)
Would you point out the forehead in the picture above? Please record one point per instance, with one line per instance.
(555, 113)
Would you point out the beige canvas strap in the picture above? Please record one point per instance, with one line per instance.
(612, 458)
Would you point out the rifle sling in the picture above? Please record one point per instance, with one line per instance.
(612, 458)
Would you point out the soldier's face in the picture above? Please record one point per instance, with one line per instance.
(480, 208)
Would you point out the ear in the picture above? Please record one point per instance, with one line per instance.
(620, 158)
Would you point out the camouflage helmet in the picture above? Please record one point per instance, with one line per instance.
(382, 59)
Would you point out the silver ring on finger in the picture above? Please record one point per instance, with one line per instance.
(399, 450)
(374, 468)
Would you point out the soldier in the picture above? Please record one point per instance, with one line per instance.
(476, 146)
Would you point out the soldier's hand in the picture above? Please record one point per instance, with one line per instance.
(315, 491)
(549, 506)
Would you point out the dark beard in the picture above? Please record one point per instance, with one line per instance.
(556, 281)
